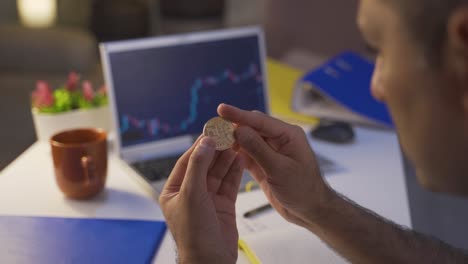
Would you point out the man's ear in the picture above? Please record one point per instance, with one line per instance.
(457, 29)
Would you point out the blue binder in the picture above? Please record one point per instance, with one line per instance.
(67, 240)
(346, 79)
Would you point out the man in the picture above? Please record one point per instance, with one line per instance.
(421, 73)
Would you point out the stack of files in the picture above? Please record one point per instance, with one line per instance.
(339, 90)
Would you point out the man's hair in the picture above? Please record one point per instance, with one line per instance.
(427, 21)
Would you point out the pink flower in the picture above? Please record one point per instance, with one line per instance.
(42, 87)
(103, 90)
(42, 96)
(72, 81)
(88, 91)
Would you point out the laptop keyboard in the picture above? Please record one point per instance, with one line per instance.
(157, 169)
(160, 169)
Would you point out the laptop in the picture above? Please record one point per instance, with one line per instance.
(164, 89)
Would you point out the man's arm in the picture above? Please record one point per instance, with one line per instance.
(363, 237)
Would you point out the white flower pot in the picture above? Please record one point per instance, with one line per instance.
(46, 125)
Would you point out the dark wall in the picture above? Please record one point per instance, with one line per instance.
(8, 13)
(320, 27)
(74, 12)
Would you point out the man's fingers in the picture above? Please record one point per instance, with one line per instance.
(215, 158)
(264, 124)
(231, 182)
(254, 169)
(256, 147)
(198, 166)
(220, 168)
(178, 172)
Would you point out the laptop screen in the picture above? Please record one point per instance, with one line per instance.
(171, 91)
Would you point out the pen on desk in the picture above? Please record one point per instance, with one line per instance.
(257, 210)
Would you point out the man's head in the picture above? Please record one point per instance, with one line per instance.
(427, 22)
(422, 74)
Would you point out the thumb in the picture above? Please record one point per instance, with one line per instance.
(198, 166)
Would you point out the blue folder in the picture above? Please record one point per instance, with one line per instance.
(346, 79)
(67, 240)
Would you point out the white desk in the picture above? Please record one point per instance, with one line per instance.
(27, 187)
(373, 178)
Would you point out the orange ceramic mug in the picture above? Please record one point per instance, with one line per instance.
(80, 162)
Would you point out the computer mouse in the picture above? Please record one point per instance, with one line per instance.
(334, 132)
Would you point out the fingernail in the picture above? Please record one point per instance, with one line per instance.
(228, 105)
(207, 142)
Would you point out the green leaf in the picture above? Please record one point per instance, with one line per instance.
(63, 100)
(84, 104)
(100, 100)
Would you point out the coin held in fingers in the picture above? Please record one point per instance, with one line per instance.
(221, 131)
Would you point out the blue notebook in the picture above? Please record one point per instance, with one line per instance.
(68, 240)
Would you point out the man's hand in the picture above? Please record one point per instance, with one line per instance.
(198, 202)
(279, 157)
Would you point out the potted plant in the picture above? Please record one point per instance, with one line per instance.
(73, 105)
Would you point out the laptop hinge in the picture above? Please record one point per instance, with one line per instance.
(162, 148)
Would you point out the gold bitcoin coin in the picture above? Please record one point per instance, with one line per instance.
(221, 131)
